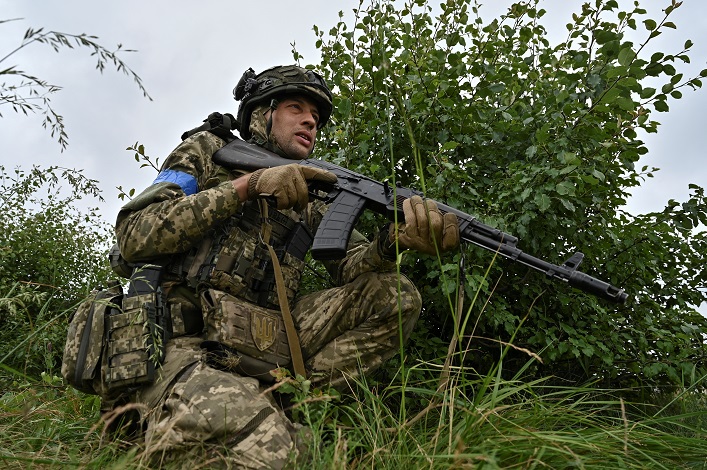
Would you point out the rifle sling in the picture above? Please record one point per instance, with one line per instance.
(290, 330)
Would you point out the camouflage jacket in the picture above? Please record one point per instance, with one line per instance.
(192, 195)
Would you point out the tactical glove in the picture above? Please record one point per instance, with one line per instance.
(287, 184)
(424, 226)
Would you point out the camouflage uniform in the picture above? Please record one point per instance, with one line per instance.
(343, 331)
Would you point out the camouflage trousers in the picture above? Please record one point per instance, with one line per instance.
(201, 414)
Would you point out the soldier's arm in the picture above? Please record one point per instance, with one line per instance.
(189, 197)
(363, 257)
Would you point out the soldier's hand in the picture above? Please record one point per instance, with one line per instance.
(424, 226)
(287, 184)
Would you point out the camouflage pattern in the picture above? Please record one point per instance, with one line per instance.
(162, 221)
(259, 128)
(80, 365)
(133, 344)
(347, 330)
(353, 329)
(211, 415)
(238, 264)
(253, 330)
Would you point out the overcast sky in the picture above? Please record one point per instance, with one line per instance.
(190, 56)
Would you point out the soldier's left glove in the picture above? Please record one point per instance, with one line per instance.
(425, 226)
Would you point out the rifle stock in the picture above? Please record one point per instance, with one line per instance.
(353, 193)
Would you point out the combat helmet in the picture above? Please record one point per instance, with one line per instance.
(275, 82)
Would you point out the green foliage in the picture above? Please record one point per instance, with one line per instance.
(542, 141)
(481, 423)
(145, 161)
(52, 254)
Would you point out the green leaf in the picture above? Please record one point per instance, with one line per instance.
(543, 202)
(450, 145)
(565, 188)
(626, 55)
(599, 175)
(626, 104)
(590, 180)
(647, 92)
(650, 24)
(661, 106)
(524, 195)
(568, 205)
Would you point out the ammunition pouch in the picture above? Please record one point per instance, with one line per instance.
(136, 337)
(85, 339)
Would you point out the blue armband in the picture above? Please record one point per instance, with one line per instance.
(185, 181)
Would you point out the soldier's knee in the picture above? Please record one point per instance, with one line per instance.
(411, 294)
(403, 288)
(397, 290)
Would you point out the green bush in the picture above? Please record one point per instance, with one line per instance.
(52, 254)
(544, 142)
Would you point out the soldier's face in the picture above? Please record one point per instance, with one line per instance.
(294, 126)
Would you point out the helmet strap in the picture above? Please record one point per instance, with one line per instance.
(268, 127)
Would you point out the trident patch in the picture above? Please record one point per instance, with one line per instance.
(263, 328)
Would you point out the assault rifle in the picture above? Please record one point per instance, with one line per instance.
(353, 192)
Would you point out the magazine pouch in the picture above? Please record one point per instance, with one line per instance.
(136, 335)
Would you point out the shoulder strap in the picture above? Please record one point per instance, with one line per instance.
(218, 124)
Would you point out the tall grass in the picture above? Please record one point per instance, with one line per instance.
(511, 424)
(427, 415)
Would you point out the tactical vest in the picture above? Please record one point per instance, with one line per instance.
(233, 258)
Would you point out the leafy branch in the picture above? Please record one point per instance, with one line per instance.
(26, 93)
(145, 161)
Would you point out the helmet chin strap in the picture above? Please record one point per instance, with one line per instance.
(268, 126)
(270, 143)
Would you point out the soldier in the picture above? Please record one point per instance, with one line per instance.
(212, 229)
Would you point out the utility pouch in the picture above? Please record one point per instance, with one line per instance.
(243, 337)
(115, 341)
(136, 336)
(83, 352)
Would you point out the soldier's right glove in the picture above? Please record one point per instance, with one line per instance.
(287, 184)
